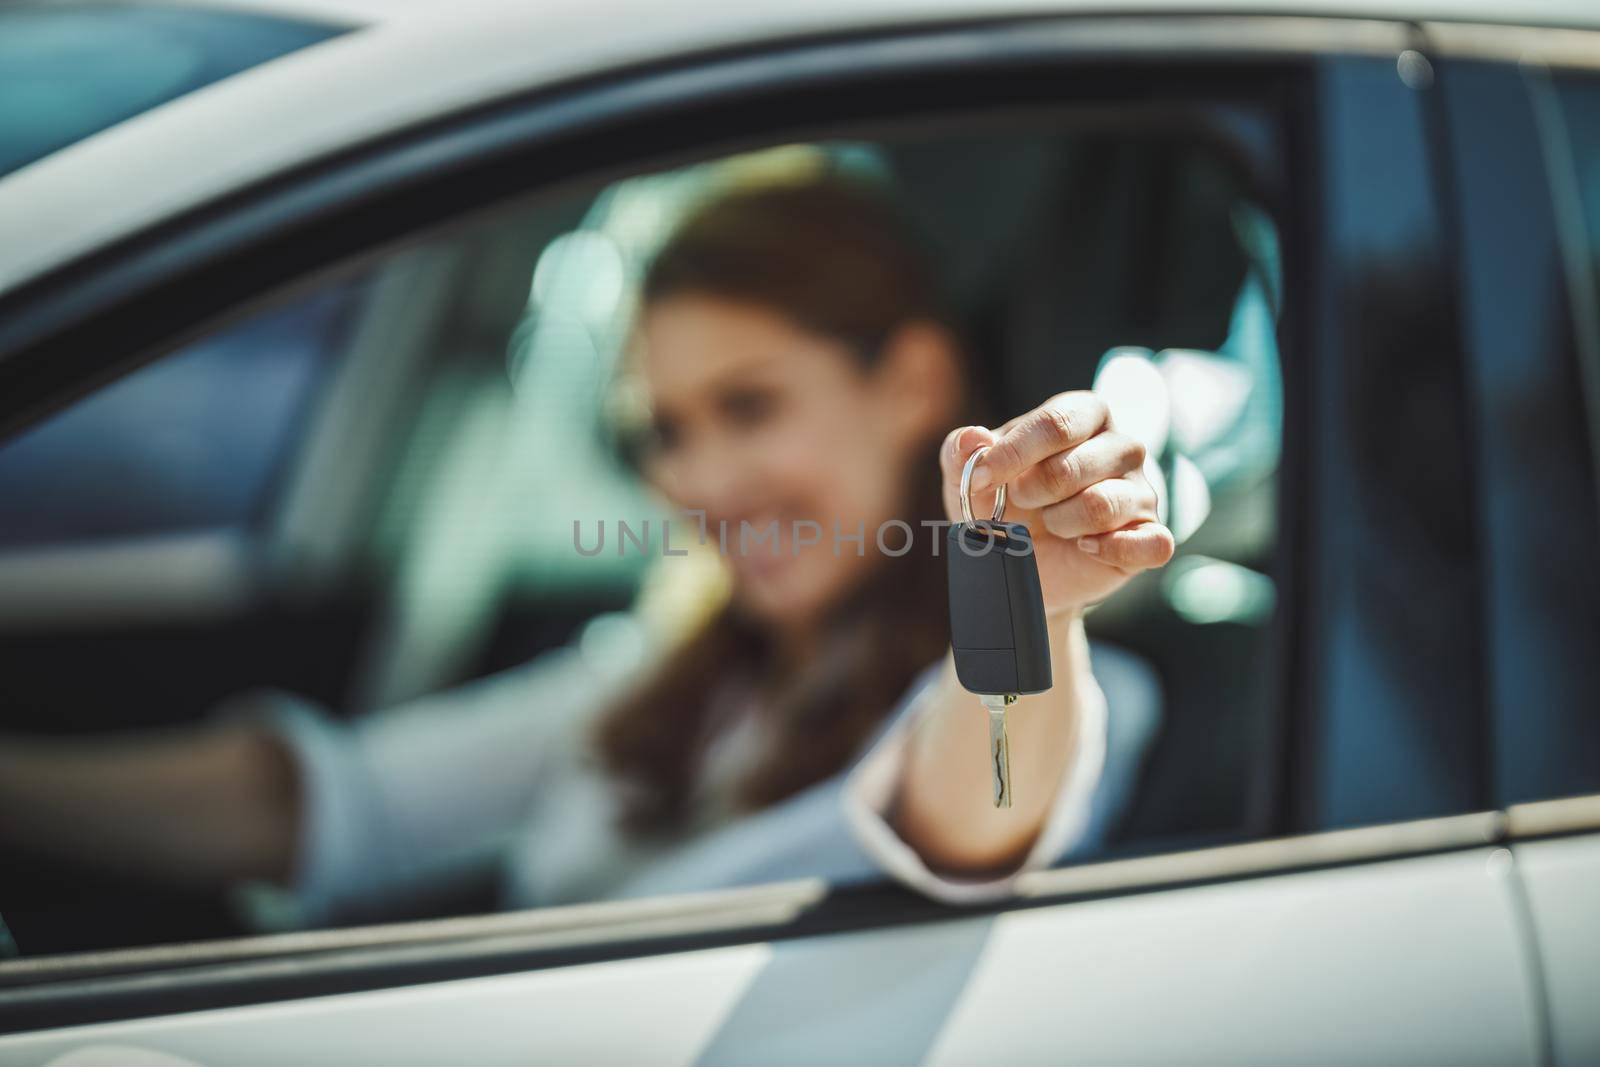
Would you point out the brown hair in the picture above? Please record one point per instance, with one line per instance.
(835, 258)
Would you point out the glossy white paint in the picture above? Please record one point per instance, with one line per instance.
(1398, 962)
(662, 1010)
(1562, 878)
(1392, 962)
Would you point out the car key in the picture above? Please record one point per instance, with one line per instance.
(998, 632)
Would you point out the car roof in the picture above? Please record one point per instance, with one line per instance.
(418, 61)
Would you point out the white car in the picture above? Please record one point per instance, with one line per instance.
(258, 265)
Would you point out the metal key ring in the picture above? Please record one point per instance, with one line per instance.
(966, 490)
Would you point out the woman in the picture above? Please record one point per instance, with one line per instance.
(799, 376)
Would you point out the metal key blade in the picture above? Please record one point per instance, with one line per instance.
(999, 746)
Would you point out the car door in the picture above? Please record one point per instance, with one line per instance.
(1361, 904)
(1535, 343)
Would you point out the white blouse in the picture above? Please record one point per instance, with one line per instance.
(496, 778)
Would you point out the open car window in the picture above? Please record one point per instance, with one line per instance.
(416, 601)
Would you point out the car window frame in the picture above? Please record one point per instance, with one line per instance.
(135, 300)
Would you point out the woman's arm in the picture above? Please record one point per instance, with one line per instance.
(196, 808)
(944, 811)
(348, 816)
(1079, 487)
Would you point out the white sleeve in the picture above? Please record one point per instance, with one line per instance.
(417, 796)
(871, 788)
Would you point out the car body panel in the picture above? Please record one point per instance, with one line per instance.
(1562, 880)
(1386, 963)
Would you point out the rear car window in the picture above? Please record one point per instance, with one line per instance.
(67, 72)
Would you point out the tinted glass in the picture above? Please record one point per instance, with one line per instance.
(69, 71)
(1579, 96)
(1528, 311)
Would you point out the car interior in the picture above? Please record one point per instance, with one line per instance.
(361, 490)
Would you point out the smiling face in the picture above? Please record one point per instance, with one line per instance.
(758, 421)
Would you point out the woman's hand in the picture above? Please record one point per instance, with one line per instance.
(1080, 488)
(1077, 484)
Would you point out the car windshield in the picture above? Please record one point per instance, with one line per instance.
(69, 71)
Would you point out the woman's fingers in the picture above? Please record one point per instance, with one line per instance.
(1104, 506)
(1067, 474)
(1062, 422)
(1136, 548)
(959, 444)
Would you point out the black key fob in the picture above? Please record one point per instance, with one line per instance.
(998, 630)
